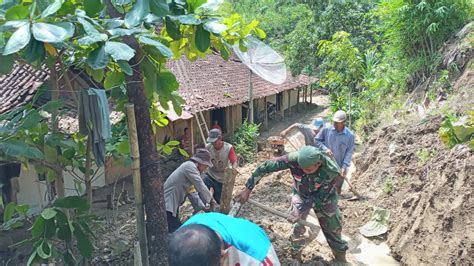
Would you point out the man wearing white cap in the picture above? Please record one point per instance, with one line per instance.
(185, 178)
(309, 132)
(338, 142)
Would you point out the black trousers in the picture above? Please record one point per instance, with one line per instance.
(173, 222)
(211, 182)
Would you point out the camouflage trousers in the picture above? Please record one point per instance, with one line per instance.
(329, 217)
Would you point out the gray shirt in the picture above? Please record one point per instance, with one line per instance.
(179, 182)
(308, 134)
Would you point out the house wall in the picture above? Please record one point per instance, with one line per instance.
(293, 98)
(33, 192)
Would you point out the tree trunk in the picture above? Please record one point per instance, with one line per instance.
(59, 181)
(152, 181)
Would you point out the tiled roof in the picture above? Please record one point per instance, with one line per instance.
(214, 83)
(19, 87)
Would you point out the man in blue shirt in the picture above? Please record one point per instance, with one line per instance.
(217, 239)
(338, 142)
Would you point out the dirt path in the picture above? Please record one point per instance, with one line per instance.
(118, 228)
(275, 190)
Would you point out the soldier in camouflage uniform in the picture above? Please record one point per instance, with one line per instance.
(315, 178)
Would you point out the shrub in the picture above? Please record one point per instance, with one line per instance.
(245, 141)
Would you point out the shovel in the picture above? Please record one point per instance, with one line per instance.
(236, 208)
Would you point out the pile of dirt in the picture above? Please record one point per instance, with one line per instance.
(405, 168)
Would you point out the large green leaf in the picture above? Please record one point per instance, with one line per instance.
(48, 213)
(51, 33)
(215, 26)
(72, 202)
(126, 68)
(123, 147)
(93, 7)
(17, 12)
(38, 227)
(164, 50)
(17, 148)
(32, 258)
(32, 119)
(172, 29)
(139, 11)
(189, 19)
(6, 65)
(15, 24)
(202, 39)
(92, 34)
(119, 51)
(159, 8)
(53, 8)
(149, 73)
(53, 105)
(83, 243)
(166, 83)
(19, 39)
(98, 58)
(196, 3)
(9, 211)
(44, 250)
(113, 79)
(119, 32)
(34, 51)
(98, 75)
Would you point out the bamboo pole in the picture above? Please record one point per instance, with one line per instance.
(87, 175)
(137, 184)
(265, 113)
(250, 98)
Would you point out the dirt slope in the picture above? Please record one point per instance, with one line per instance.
(405, 168)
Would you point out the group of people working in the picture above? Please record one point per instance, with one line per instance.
(318, 171)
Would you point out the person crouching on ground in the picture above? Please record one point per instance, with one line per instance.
(214, 239)
(315, 179)
(185, 178)
(222, 153)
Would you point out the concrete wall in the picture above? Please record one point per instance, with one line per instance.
(33, 191)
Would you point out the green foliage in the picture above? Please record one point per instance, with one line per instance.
(62, 231)
(423, 156)
(245, 141)
(457, 130)
(388, 186)
(294, 28)
(413, 31)
(14, 216)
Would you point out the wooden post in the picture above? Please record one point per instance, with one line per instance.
(87, 175)
(227, 188)
(231, 120)
(191, 129)
(289, 102)
(265, 115)
(310, 94)
(298, 101)
(282, 109)
(251, 118)
(137, 184)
